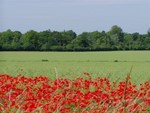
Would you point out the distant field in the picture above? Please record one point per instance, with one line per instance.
(115, 64)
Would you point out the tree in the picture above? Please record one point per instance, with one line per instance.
(44, 40)
(67, 37)
(148, 32)
(81, 42)
(116, 36)
(92, 38)
(115, 30)
(128, 41)
(115, 39)
(16, 45)
(30, 40)
(6, 39)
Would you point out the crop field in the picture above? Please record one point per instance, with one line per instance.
(114, 65)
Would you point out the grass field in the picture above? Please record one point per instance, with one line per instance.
(115, 64)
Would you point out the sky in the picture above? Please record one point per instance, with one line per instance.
(77, 15)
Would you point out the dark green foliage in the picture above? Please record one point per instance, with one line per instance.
(115, 39)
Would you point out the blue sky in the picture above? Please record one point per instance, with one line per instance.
(77, 15)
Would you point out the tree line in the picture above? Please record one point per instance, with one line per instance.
(114, 39)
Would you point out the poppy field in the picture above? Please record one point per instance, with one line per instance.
(40, 94)
(75, 82)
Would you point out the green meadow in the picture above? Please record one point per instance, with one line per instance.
(114, 64)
